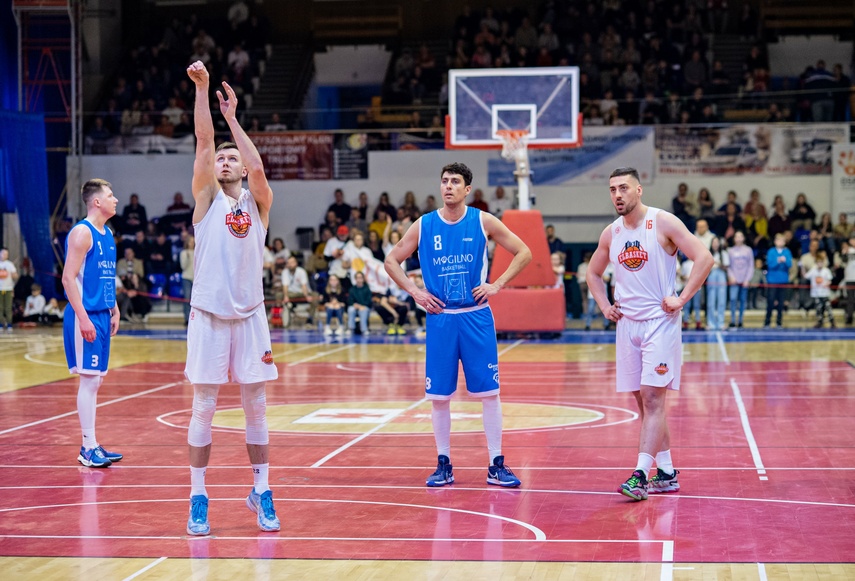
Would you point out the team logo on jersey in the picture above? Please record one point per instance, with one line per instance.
(633, 257)
(494, 367)
(267, 357)
(238, 223)
(661, 369)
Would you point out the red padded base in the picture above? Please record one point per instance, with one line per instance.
(529, 309)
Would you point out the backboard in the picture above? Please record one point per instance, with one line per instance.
(543, 101)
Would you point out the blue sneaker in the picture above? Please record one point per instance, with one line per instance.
(197, 524)
(93, 458)
(501, 475)
(443, 474)
(111, 456)
(262, 505)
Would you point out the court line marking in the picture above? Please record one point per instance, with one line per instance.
(74, 413)
(361, 437)
(761, 571)
(746, 427)
(539, 535)
(722, 347)
(667, 572)
(516, 343)
(319, 355)
(455, 487)
(144, 569)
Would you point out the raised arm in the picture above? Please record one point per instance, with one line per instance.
(258, 185)
(679, 236)
(205, 185)
(594, 277)
(510, 242)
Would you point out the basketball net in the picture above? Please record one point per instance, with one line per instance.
(515, 148)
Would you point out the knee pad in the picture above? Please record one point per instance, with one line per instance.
(204, 406)
(254, 400)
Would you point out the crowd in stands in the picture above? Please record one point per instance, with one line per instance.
(790, 256)
(641, 62)
(151, 94)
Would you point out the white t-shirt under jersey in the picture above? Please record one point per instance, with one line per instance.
(229, 258)
(644, 272)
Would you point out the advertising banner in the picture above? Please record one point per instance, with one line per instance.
(313, 156)
(768, 149)
(843, 180)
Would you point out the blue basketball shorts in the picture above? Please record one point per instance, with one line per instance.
(84, 357)
(468, 337)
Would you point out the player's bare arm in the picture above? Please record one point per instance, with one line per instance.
(401, 252)
(673, 235)
(205, 185)
(79, 243)
(594, 277)
(258, 185)
(510, 242)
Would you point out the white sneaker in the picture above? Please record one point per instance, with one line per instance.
(327, 330)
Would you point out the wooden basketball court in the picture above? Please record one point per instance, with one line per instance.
(761, 436)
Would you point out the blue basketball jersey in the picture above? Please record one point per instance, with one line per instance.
(453, 257)
(96, 280)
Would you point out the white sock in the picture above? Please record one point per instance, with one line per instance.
(491, 414)
(87, 401)
(197, 481)
(441, 417)
(663, 461)
(645, 463)
(259, 477)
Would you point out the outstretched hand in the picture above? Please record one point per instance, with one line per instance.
(198, 73)
(228, 107)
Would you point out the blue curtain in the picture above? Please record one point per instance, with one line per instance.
(24, 188)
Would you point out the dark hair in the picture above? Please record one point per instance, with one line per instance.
(625, 171)
(227, 145)
(459, 169)
(92, 187)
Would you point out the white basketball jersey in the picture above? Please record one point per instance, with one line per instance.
(229, 258)
(644, 272)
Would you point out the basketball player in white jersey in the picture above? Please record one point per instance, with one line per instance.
(227, 334)
(643, 243)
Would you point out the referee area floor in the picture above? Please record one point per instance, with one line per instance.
(761, 434)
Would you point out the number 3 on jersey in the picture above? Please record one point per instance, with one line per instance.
(94, 361)
(437, 242)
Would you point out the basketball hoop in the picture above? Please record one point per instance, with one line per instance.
(514, 144)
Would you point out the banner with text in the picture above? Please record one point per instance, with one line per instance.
(603, 149)
(843, 179)
(313, 156)
(768, 149)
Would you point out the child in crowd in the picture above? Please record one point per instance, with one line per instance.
(35, 305)
(820, 289)
(334, 301)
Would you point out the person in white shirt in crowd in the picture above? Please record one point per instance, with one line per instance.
(8, 276)
(34, 307)
(847, 257)
(357, 255)
(820, 290)
(702, 232)
(334, 251)
(295, 284)
(500, 203)
(717, 285)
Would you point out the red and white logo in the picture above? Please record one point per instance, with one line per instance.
(238, 223)
(661, 369)
(267, 358)
(633, 257)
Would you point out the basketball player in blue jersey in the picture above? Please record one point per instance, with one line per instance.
(452, 245)
(91, 316)
(227, 333)
(642, 244)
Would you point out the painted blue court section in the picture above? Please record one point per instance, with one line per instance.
(573, 337)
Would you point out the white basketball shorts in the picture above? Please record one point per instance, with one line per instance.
(648, 353)
(220, 348)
